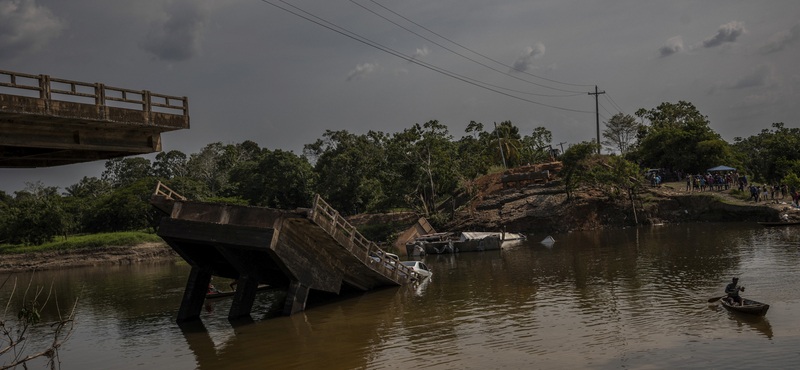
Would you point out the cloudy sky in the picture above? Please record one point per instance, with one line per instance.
(281, 77)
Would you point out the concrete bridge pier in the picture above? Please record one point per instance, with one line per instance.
(195, 294)
(244, 297)
(296, 298)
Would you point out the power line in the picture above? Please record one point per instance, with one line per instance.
(462, 55)
(604, 108)
(500, 63)
(608, 96)
(388, 50)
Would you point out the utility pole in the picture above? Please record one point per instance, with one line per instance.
(562, 146)
(597, 114)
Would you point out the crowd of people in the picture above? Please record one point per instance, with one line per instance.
(723, 181)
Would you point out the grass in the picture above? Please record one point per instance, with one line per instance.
(123, 239)
(740, 194)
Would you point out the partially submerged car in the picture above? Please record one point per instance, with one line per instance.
(419, 267)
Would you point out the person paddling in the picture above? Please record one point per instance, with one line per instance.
(732, 290)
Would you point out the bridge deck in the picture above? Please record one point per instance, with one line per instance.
(47, 121)
(297, 250)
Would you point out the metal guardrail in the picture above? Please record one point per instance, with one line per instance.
(162, 189)
(329, 219)
(100, 95)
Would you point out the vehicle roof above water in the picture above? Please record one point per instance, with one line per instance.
(409, 263)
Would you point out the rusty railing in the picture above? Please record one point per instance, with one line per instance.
(162, 189)
(335, 225)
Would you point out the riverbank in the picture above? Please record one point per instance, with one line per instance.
(544, 208)
(81, 257)
(538, 208)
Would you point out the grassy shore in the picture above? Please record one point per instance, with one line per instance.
(121, 239)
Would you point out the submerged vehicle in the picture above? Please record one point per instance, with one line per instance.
(419, 268)
(466, 241)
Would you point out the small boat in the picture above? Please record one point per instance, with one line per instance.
(780, 223)
(231, 293)
(749, 307)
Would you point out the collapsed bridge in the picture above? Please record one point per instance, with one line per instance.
(296, 250)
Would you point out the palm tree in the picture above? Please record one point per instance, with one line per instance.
(505, 143)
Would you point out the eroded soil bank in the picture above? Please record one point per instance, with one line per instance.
(544, 208)
(85, 257)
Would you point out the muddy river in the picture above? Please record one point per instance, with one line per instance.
(631, 298)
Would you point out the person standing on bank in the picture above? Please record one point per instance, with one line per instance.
(732, 290)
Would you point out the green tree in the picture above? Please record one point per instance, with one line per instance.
(576, 169)
(422, 159)
(506, 144)
(620, 132)
(279, 179)
(673, 136)
(123, 171)
(349, 168)
(772, 154)
(36, 221)
(127, 208)
(171, 164)
(535, 148)
(88, 187)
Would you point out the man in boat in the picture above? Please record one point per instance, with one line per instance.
(733, 290)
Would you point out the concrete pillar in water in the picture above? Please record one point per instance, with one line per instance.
(295, 298)
(195, 294)
(244, 297)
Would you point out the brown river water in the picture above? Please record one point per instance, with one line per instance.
(634, 298)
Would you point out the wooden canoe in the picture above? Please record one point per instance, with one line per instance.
(771, 224)
(231, 293)
(749, 307)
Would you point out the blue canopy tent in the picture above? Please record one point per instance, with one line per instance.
(721, 168)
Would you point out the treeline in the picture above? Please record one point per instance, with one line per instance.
(374, 172)
(415, 169)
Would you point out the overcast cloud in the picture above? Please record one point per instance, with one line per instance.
(781, 39)
(727, 33)
(760, 76)
(361, 71)
(177, 36)
(673, 45)
(255, 72)
(525, 61)
(26, 27)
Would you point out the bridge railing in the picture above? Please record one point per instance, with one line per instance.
(162, 189)
(347, 235)
(101, 93)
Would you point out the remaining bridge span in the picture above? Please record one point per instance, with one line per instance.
(48, 121)
(297, 250)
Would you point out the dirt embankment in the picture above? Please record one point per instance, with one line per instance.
(544, 208)
(86, 257)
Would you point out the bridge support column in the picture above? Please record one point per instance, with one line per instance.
(244, 297)
(195, 294)
(295, 298)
